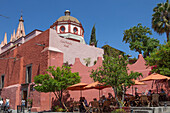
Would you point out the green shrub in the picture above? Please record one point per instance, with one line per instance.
(57, 109)
(119, 111)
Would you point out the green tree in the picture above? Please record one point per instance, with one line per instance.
(139, 41)
(161, 18)
(110, 51)
(161, 59)
(56, 81)
(114, 72)
(93, 36)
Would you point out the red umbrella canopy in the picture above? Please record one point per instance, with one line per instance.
(155, 76)
(79, 86)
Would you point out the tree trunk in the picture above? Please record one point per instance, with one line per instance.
(123, 97)
(115, 91)
(167, 34)
(59, 97)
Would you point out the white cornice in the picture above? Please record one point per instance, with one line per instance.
(51, 49)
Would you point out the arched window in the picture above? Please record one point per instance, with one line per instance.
(75, 30)
(62, 29)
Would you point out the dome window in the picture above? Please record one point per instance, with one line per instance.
(62, 29)
(75, 30)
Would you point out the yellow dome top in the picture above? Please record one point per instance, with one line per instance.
(68, 17)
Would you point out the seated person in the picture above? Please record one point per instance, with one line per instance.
(136, 95)
(149, 93)
(94, 101)
(162, 95)
(162, 91)
(110, 96)
(81, 107)
(85, 102)
(94, 105)
(102, 99)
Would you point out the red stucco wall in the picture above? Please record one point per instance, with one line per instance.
(15, 69)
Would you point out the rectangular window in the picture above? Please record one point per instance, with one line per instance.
(28, 73)
(2, 80)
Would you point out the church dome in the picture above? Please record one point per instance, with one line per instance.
(68, 17)
(69, 27)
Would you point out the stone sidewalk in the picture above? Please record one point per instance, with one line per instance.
(160, 109)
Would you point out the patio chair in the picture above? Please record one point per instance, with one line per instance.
(106, 106)
(86, 108)
(132, 101)
(76, 106)
(144, 100)
(155, 99)
(94, 106)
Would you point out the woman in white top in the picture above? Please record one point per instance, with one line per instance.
(1, 102)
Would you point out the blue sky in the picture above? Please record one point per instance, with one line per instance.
(111, 17)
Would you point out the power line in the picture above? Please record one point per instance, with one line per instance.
(4, 16)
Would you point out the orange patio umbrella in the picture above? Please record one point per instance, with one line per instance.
(155, 76)
(97, 85)
(79, 86)
(137, 83)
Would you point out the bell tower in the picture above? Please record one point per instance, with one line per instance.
(20, 31)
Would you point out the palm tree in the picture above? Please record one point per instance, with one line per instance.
(87, 61)
(161, 18)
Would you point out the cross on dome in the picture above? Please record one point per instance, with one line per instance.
(67, 13)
